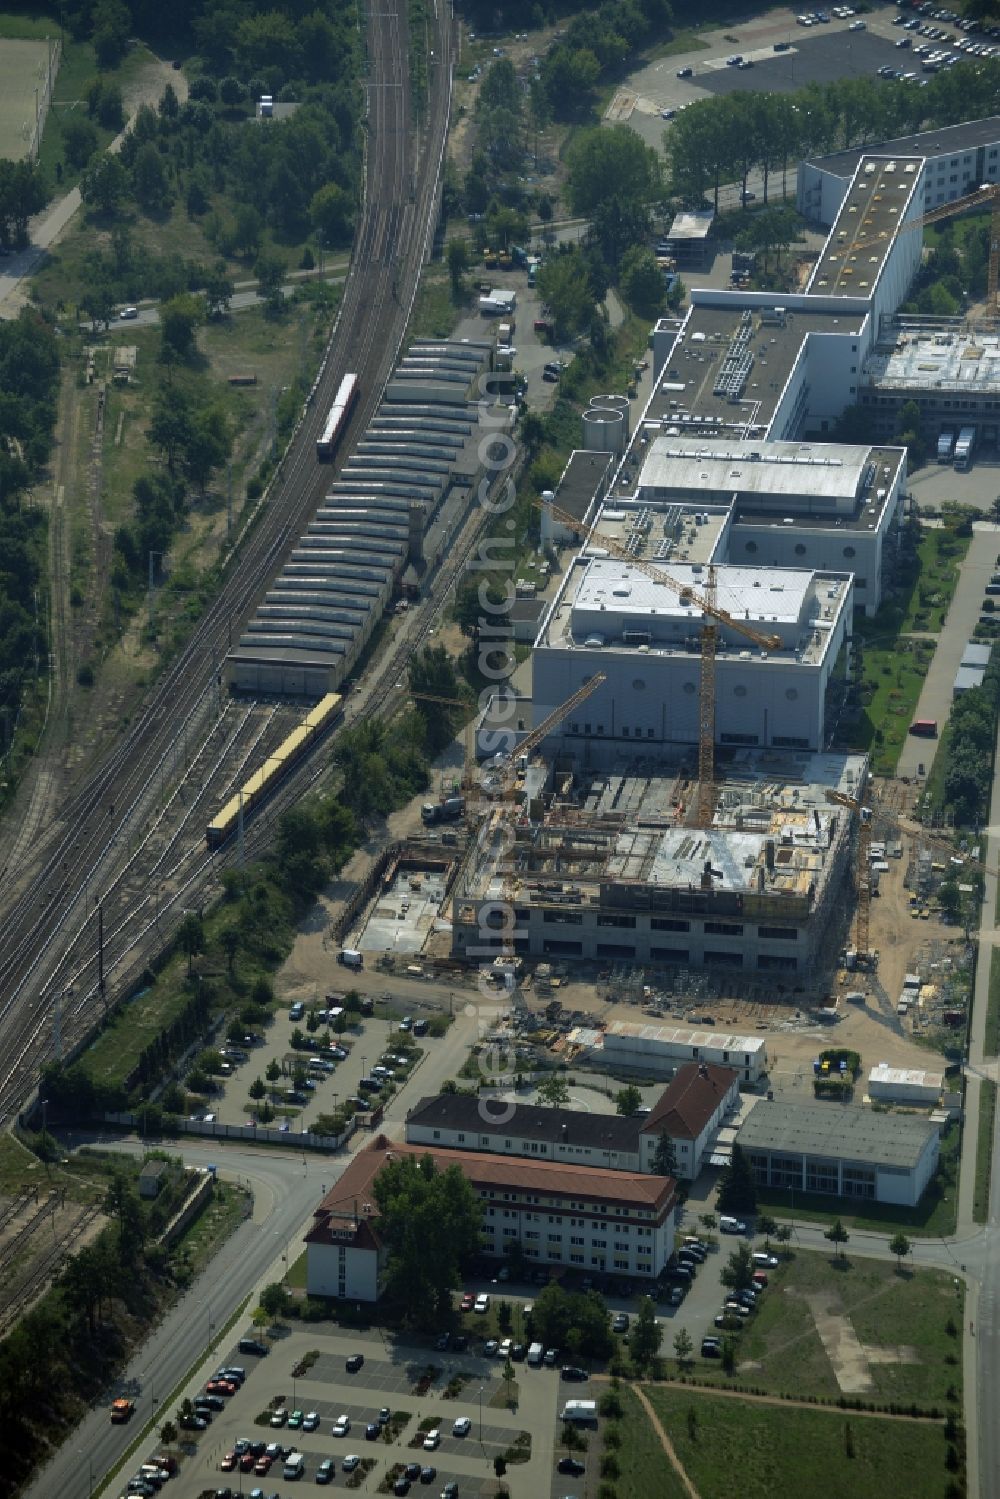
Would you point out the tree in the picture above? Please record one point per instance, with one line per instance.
(249, 230)
(112, 24)
(104, 185)
(191, 938)
(79, 139)
(565, 287)
(783, 1233)
(168, 1433)
(644, 1339)
(508, 1379)
(458, 263)
(664, 1156)
(331, 213)
(838, 1235)
(628, 1101)
(257, 1089)
(218, 290)
(767, 1226)
(605, 161)
(269, 268)
(121, 1201)
(179, 319)
(232, 91)
(229, 941)
(150, 182)
(737, 1273)
(274, 1299)
(429, 1221)
(553, 1090)
(683, 1346)
(737, 1189)
(577, 1320)
(899, 1245)
(641, 281)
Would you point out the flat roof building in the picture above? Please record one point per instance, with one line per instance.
(911, 1085)
(840, 1151)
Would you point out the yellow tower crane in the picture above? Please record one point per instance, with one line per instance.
(713, 618)
(980, 197)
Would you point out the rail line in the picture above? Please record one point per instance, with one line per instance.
(89, 849)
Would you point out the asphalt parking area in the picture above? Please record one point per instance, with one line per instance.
(395, 1379)
(815, 58)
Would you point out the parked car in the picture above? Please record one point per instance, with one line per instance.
(619, 1322)
(350, 1462)
(326, 1470)
(685, 72)
(461, 1426)
(482, 1303)
(354, 1362)
(574, 1374)
(711, 1347)
(571, 1465)
(341, 1426)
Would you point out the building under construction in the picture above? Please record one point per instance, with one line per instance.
(601, 867)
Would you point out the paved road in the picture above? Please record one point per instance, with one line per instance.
(936, 694)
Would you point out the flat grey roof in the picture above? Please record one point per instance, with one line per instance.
(945, 140)
(864, 231)
(582, 478)
(830, 1129)
(687, 383)
(527, 1121)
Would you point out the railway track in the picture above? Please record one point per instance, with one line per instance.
(90, 854)
(19, 1290)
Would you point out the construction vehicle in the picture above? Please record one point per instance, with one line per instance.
(714, 617)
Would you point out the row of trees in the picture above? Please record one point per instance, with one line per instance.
(720, 140)
(970, 748)
(29, 381)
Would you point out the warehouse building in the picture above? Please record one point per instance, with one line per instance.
(840, 1151)
(319, 613)
(557, 1214)
(690, 1111)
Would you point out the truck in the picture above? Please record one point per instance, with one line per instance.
(295, 1466)
(448, 810)
(580, 1412)
(122, 1410)
(535, 1355)
(945, 447)
(965, 445)
(351, 958)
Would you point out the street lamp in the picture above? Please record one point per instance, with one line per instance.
(481, 1442)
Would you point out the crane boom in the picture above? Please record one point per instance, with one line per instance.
(551, 721)
(986, 194)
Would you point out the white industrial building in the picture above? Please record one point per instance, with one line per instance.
(657, 1049)
(555, 1213)
(839, 1151)
(609, 617)
(905, 1085)
(957, 158)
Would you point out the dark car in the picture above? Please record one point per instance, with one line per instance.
(711, 1348)
(571, 1465)
(517, 1353)
(442, 1342)
(402, 1485)
(253, 1345)
(372, 1431)
(572, 1372)
(354, 1362)
(428, 1475)
(460, 1342)
(193, 1423)
(209, 1402)
(412, 1471)
(685, 72)
(384, 1416)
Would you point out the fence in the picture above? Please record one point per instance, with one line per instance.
(44, 96)
(256, 1132)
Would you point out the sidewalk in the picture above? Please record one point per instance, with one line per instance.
(936, 694)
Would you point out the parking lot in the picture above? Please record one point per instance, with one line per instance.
(387, 1378)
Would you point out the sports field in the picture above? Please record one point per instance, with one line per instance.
(23, 69)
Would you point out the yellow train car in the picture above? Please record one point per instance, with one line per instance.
(259, 785)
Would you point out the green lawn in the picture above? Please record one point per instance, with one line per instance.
(435, 314)
(991, 1040)
(77, 69)
(681, 41)
(940, 553)
(892, 677)
(934, 1216)
(735, 1449)
(984, 1150)
(779, 1350)
(646, 1472)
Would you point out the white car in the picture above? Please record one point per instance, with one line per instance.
(128, 313)
(310, 1421)
(482, 1302)
(432, 1440)
(341, 1426)
(857, 26)
(461, 1427)
(350, 1462)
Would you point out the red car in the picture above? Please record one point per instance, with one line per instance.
(221, 1387)
(228, 1463)
(760, 1278)
(468, 1301)
(262, 1466)
(246, 1462)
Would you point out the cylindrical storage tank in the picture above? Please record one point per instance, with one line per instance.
(546, 525)
(606, 424)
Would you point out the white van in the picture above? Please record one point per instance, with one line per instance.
(295, 1466)
(732, 1225)
(351, 958)
(535, 1355)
